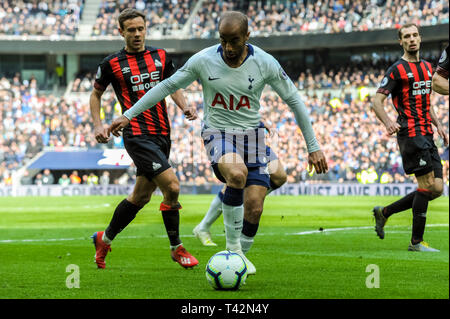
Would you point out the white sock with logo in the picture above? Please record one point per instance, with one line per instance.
(233, 217)
(246, 243)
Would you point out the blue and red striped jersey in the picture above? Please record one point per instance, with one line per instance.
(132, 75)
(409, 84)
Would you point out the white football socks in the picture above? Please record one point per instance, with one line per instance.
(246, 243)
(233, 217)
(215, 209)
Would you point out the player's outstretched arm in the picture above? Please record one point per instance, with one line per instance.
(391, 126)
(316, 158)
(180, 79)
(180, 100)
(150, 99)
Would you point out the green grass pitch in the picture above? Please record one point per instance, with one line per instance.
(40, 237)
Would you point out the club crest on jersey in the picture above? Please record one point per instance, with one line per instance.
(250, 79)
(219, 99)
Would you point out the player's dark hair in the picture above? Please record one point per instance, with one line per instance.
(128, 14)
(407, 25)
(238, 17)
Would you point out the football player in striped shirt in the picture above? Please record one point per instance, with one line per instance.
(408, 81)
(132, 72)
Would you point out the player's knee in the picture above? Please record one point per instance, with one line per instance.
(253, 209)
(434, 187)
(436, 191)
(139, 199)
(253, 213)
(236, 178)
(171, 191)
(278, 180)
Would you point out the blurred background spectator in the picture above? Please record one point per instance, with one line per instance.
(51, 18)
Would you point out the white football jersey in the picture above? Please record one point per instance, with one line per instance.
(231, 95)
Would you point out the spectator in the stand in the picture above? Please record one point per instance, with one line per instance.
(47, 178)
(38, 179)
(64, 180)
(26, 179)
(47, 18)
(59, 71)
(104, 178)
(92, 179)
(75, 178)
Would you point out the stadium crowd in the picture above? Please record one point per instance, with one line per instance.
(165, 18)
(50, 18)
(339, 104)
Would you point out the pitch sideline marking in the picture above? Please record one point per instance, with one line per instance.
(309, 232)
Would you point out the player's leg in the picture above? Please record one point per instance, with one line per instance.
(124, 213)
(277, 174)
(381, 213)
(234, 171)
(413, 151)
(127, 209)
(229, 167)
(202, 230)
(169, 185)
(253, 207)
(429, 188)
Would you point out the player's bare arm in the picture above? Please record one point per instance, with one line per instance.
(440, 129)
(440, 84)
(392, 126)
(100, 132)
(180, 100)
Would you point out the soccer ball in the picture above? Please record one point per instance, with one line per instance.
(226, 271)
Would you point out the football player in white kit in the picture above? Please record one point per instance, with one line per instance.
(233, 75)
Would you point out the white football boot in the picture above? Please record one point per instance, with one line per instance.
(251, 269)
(422, 246)
(203, 236)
